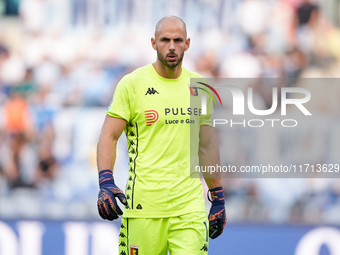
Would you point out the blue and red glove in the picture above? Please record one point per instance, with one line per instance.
(217, 217)
(107, 205)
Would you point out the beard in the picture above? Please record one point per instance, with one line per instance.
(163, 60)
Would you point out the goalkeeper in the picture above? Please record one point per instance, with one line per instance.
(164, 209)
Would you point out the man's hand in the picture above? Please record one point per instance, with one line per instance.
(217, 217)
(107, 205)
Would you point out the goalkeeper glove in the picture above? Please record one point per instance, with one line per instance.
(107, 205)
(217, 217)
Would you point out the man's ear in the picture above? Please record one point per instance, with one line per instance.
(153, 43)
(187, 44)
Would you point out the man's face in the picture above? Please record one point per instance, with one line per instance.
(170, 42)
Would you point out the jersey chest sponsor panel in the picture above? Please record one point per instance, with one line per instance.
(164, 126)
(158, 133)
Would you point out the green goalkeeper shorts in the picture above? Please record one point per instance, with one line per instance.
(181, 235)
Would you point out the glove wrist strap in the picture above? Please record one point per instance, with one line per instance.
(105, 177)
(217, 195)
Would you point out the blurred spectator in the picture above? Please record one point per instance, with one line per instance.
(253, 15)
(19, 164)
(16, 115)
(206, 65)
(4, 54)
(18, 158)
(242, 65)
(294, 63)
(46, 73)
(47, 163)
(13, 70)
(307, 12)
(34, 15)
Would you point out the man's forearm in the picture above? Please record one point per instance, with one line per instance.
(213, 182)
(106, 153)
(109, 135)
(209, 156)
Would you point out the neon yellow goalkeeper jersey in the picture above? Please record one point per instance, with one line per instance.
(159, 121)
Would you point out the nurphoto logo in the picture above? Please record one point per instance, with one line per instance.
(242, 103)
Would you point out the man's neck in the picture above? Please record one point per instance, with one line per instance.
(167, 72)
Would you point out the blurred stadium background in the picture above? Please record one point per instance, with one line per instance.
(59, 63)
